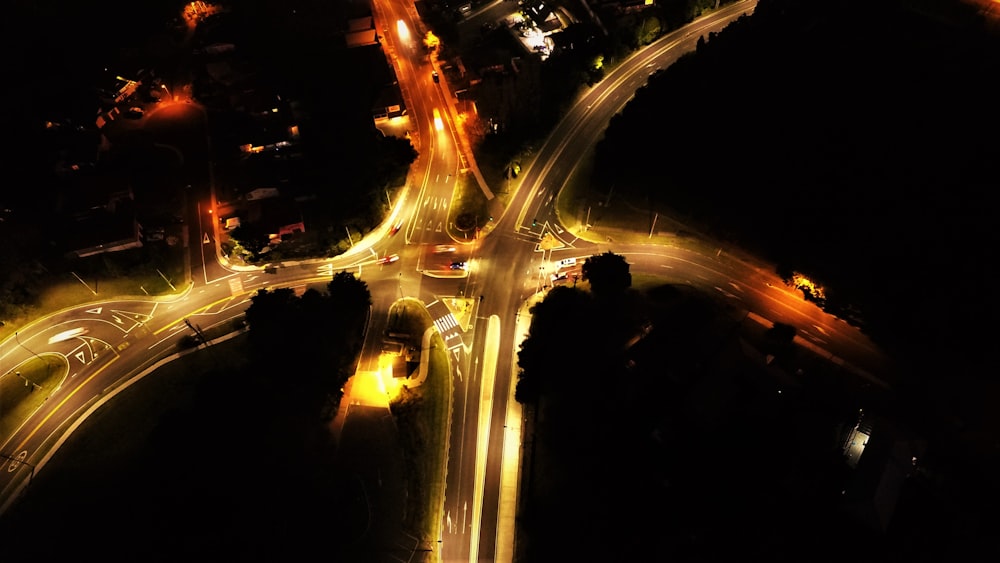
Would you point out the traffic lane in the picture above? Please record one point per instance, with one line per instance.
(461, 480)
(768, 301)
(494, 460)
(47, 423)
(369, 453)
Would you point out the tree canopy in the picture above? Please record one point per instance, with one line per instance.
(607, 273)
(862, 163)
(309, 342)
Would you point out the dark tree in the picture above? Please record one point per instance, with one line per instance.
(250, 236)
(347, 292)
(546, 357)
(780, 338)
(349, 300)
(269, 316)
(607, 273)
(308, 343)
(394, 159)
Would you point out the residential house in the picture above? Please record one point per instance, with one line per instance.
(508, 93)
(883, 453)
(96, 214)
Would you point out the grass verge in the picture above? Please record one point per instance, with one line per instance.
(469, 209)
(422, 416)
(25, 387)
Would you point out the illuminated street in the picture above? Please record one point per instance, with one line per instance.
(210, 152)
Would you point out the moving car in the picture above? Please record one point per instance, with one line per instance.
(395, 228)
(444, 249)
(66, 335)
(458, 265)
(387, 259)
(134, 112)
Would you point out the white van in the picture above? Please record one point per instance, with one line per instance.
(566, 263)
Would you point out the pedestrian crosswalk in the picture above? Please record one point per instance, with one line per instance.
(446, 323)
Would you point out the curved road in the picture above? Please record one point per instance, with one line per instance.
(127, 337)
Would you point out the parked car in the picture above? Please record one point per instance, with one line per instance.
(134, 112)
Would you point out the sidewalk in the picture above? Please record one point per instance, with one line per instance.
(513, 450)
(468, 157)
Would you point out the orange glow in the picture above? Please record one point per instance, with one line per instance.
(438, 122)
(391, 384)
(808, 286)
(431, 41)
(198, 10)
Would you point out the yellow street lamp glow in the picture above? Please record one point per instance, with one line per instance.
(808, 286)
(431, 41)
(388, 384)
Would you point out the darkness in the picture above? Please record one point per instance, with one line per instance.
(860, 151)
(861, 146)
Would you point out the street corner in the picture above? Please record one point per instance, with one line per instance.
(550, 242)
(461, 308)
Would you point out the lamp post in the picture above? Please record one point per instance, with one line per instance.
(18, 340)
(28, 382)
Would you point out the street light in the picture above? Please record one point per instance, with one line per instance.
(18, 340)
(28, 382)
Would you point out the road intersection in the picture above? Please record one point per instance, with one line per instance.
(481, 312)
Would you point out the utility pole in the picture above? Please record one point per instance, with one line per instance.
(28, 382)
(18, 340)
(197, 330)
(172, 288)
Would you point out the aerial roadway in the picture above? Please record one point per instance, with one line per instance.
(108, 343)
